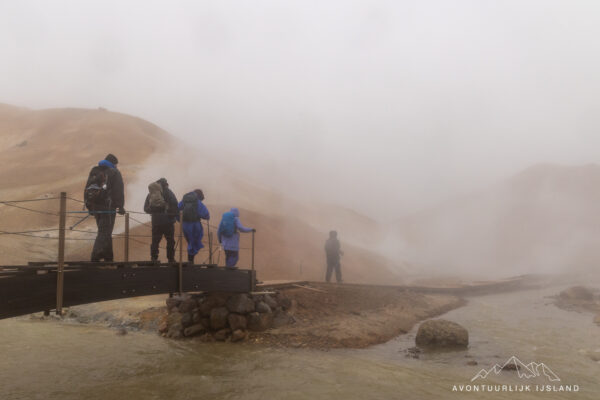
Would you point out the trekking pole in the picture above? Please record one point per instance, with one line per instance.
(126, 244)
(181, 253)
(209, 242)
(61, 253)
(80, 221)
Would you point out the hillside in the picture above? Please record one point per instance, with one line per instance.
(48, 151)
(543, 219)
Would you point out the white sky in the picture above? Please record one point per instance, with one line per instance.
(384, 106)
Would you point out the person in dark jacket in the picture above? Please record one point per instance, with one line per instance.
(104, 197)
(333, 253)
(163, 221)
(193, 211)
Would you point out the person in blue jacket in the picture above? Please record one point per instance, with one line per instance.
(229, 236)
(193, 210)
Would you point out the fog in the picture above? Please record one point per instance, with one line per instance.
(386, 107)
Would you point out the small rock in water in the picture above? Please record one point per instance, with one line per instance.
(472, 362)
(442, 334)
(413, 352)
(121, 331)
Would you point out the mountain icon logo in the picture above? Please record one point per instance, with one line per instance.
(525, 371)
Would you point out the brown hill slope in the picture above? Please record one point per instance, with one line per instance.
(48, 151)
(544, 219)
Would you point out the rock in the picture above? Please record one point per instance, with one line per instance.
(173, 302)
(222, 334)
(413, 352)
(163, 327)
(271, 302)
(240, 303)
(187, 305)
(238, 335)
(260, 321)
(194, 330)
(472, 362)
(196, 316)
(121, 332)
(237, 321)
(175, 331)
(174, 318)
(263, 307)
(280, 318)
(218, 318)
(441, 333)
(186, 320)
(577, 293)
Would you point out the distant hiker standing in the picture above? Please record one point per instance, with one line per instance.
(161, 203)
(193, 211)
(333, 253)
(104, 196)
(229, 237)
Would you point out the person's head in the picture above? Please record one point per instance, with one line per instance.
(163, 182)
(199, 194)
(235, 211)
(332, 234)
(112, 159)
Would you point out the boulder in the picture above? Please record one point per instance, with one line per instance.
(175, 331)
(194, 330)
(218, 318)
(260, 321)
(196, 316)
(237, 321)
(441, 333)
(240, 303)
(174, 318)
(173, 302)
(238, 335)
(186, 320)
(222, 334)
(187, 305)
(263, 307)
(163, 327)
(271, 302)
(579, 293)
(206, 305)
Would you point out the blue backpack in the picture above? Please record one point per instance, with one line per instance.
(227, 225)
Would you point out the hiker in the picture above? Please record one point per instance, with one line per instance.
(104, 197)
(162, 204)
(333, 253)
(229, 237)
(192, 212)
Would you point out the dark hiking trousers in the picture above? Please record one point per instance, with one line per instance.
(103, 248)
(334, 265)
(158, 231)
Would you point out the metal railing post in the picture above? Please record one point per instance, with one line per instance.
(180, 253)
(60, 278)
(126, 239)
(253, 232)
(210, 252)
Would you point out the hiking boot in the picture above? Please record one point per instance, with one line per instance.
(190, 258)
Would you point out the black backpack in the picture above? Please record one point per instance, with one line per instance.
(190, 208)
(96, 193)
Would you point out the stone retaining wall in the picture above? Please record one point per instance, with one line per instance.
(225, 316)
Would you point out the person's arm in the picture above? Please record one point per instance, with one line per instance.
(241, 227)
(118, 191)
(147, 205)
(203, 211)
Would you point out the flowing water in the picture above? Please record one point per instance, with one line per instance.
(49, 360)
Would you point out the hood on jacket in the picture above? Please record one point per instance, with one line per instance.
(155, 187)
(106, 163)
(235, 212)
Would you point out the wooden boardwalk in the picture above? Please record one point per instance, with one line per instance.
(33, 288)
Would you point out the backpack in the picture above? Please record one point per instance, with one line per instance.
(96, 193)
(156, 199)
(227, 225)
(190, 208)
